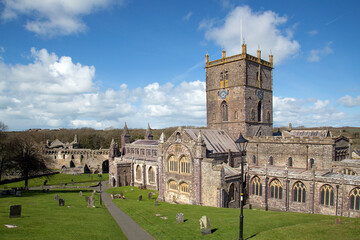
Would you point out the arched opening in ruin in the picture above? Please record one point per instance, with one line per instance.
(72, 164)
(105, 166)
(86, 169)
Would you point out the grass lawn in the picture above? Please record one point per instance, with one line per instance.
(79, 180)
(258, 224)
(42, 218)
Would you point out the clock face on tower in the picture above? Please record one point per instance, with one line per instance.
(222, 94)
(260, 94)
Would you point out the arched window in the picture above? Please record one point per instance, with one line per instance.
(184, 165)
(259, 111)
(299, 192)
(173, 185)
(178, 137)
(173, 164)
(355, 199)
(276, 189)
(327, 195)
(224, 111)
(138, 173)
(271, 160)
(312, 162)
(231, 192)
(256, 186)
(184, 187)
(254, 159)
(290, 162)
(236, 115)
(151, 175)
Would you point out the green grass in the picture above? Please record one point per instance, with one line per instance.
(258, 224)
(80, 180)
(42, 218)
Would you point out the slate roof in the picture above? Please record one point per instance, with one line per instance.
(216, 141)
(307, 133)
(146, 142)
(56, 143)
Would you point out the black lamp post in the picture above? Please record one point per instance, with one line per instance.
(100, 176)
(241, 144)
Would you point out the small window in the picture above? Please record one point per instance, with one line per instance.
(268, 117)
(254, 159)
(271, 160)
(259, 111)
(290, 162)
(312, 162)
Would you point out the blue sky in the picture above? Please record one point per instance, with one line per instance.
(99, 63)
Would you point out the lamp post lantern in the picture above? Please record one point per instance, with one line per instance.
(100, 176)
(241, 144)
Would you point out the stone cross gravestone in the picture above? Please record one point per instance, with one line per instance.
(56, 198)
(179, 217)
(156, 203)
(91, 202)
(150, 195)
(15, 211)
(80, 193)
(205, 225)
(61, 202)
(140, 197)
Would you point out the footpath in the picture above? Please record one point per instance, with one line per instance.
(129, 227)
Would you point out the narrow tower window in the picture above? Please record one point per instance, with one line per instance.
(259, 111)
(224, 111)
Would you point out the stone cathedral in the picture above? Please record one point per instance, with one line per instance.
(307, 171)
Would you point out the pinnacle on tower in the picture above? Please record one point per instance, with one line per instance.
(162, 138)
(126, 130)
(148, 133)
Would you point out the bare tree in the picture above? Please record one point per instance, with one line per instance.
(3, 126)
(28, 159)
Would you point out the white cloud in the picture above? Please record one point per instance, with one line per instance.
(313, 33)
(306, 112)
(316, 54)
(187, 16)
(53, 17)
(54, 92)
(259, 29)
(349, 101)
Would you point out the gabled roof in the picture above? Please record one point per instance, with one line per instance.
(216, 141)
(56, 143)
(146, 142)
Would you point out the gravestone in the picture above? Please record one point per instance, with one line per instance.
(72, 181)
(18, 193)
(338, 220)
(61, 202)
(45, 182)
(56, 198)
(149, 195)
(179, 217)
(15, 211)
(140, 197)
(132, 189)
(156, 203)
(80, 193)
(93, 193)
(86, 199)
(91, 202)
(205, 225)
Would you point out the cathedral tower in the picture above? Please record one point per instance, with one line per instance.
(239, 94)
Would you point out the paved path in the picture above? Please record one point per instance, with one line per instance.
(129, 227)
